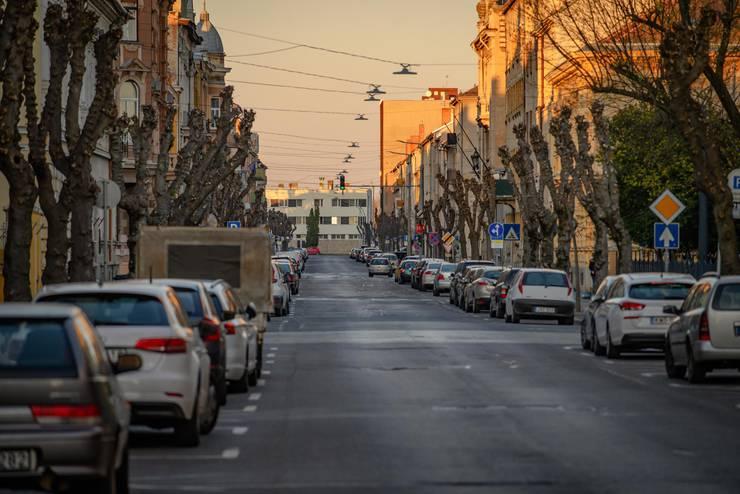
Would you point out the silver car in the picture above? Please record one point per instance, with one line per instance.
(442, 278)
(380, 266)
(477, 293)
(63, 418)
(706, 334)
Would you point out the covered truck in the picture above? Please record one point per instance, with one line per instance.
(239, 256)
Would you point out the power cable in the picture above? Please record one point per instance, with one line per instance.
(325, 90)
(265, 52)
(302, 137)
(304, 111)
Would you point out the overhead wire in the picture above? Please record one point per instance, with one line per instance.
(324, 90)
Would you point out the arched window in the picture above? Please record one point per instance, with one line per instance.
(129, 99)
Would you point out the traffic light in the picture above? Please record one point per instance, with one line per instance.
(341, 182)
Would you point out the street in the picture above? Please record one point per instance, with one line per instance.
(372, 387)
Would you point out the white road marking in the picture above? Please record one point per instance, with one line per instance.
(567, 348)
(261, 382)
(269, 361)
(250, 408)
(610, 362)
(239, 431)
(650, 374)
(266, 372)
(273, 349)
(255, 396)
(587, 354)
(270, 355)
(230, 454)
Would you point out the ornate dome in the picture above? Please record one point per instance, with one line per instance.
(211, 39)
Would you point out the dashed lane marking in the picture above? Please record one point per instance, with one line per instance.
(269, 361)
(266, 372)
(250, 408)
(230, 454)
(270, 355)
(261, 382)
(273, 349)
(255, 396)
(239, 431)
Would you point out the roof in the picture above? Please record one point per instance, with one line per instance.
(211, 38)
(33, 311)
(139, 287)
(473, 91)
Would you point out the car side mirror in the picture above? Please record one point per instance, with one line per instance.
(671, 309)
(127, 362)
(251, 310)
(228, 314)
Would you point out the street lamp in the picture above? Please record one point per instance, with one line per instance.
(405, 70)
(371, 97)
(475, 158)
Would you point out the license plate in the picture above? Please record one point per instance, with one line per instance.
(660, 321)
(17, 460)
(545, 310)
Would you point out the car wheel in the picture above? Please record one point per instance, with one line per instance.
(370, 275)
(612, 350)
(514, 317)
(500, 311)
(389, 275)
(116, 482)
(222, 389)
(253, 376)
(566, 322)
(598, 348)
(187, 432)
(122, 474)
(674, 371)
(476, 307)
(422, 288)
(491, 313)
(585, 344)
(212, 411)
(452, 302)
(695, 372)
(435, 292)
(507, 317)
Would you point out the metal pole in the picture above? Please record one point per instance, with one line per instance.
(703, 240)
(666, 261)
(105, 231)
(409, 208)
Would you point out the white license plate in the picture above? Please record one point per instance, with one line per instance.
(660, 321)
(17, 460)
(545, 310)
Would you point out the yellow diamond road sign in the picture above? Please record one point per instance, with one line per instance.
(667, 207)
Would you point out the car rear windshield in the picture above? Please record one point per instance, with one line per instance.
(433, 266)
(35, 348)
(545, 279)
(492, 275)
(190, 301)
(659, 291)
(408, 264)
(116, 309)
(284, 267)
(379, 261)
(727, 297)
(447, 268)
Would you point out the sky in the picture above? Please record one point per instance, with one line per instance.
(410, 31)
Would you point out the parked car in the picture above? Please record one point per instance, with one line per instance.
(497, 305)
(466, 278)
(172, 388)
(442, 278)
(477, 293)
(353, 252)
(287, 270)
(400, 254)
(242, 348)
(196, 301)
(457, 276)
(391, 258)
(404, 271)
(380, 266)
(280, 292)
(632, 316)
(587, 326)
(314, 251)
(706, 334)
(427, 275)
(541, 294)
(48, 354)
(371, 254)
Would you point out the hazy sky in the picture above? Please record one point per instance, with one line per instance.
(414, 31)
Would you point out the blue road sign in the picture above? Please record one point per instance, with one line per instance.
(512, 232)
(496, 231)
(736, 183)
(233, 224)
(667, 236)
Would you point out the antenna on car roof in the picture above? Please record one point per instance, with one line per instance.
(151, 280)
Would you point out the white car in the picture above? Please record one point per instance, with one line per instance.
(172, 388)
(241, 336)
(541, 294)
(280, 292)
(380, 266)
(632, 316)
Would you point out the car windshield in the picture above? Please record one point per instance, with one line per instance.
(284, 267)
(545, 278)
(116, 309)
(35, 348)
(660, 291)
(433, 266)
(379, 261)
(492, 275)
(727, 297)
(190, 300)
(408, 265)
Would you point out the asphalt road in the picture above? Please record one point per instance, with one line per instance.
(371, 387)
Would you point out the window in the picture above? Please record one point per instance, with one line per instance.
(295, 203)
(344, 220)
(292, 220)
(318, 203)
(727, 297)
(35, 348)
(335, 220)
(215, 111)
(325, 220)
(660, 291)
(131, 28)
(299, 236)
(617, 290)
(338, 236)
(323, 236)
(346, 203)
(362, 203)
(116, 309)
(543, 278)
(274, 203)
(129, 99)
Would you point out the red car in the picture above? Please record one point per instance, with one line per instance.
(313, 251)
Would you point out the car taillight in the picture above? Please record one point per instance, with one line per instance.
(230, 327)
(57, 414)
(482, 283)
(570, 287)
(629, 305)
(215, 329)
(403, 270)
(521, 286)
(162, 345)
(704, 328)
(440, 277)
(428, 272)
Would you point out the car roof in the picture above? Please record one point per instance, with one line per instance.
(139, 287)
(542, 270)
(38, 311)
(179, 282)
(657, 277)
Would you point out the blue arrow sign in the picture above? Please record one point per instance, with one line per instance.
(667, 236)
(496, 231)
(233, 224)
(512, 232)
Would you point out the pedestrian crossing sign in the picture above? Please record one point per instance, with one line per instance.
(512, 232)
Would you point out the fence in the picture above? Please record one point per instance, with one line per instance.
(649, 260)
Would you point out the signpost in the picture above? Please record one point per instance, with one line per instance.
(434, 239)
(734, 181)
(512, 232)
(496, 231)
(233, 224)
(667, 208)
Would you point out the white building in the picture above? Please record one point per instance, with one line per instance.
(342, 215)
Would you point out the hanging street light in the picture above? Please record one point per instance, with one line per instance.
(349, 157)
(376, 89)
(405, 70)
(361, 116)
(371, 97)
(354, 145)
(475, 158)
